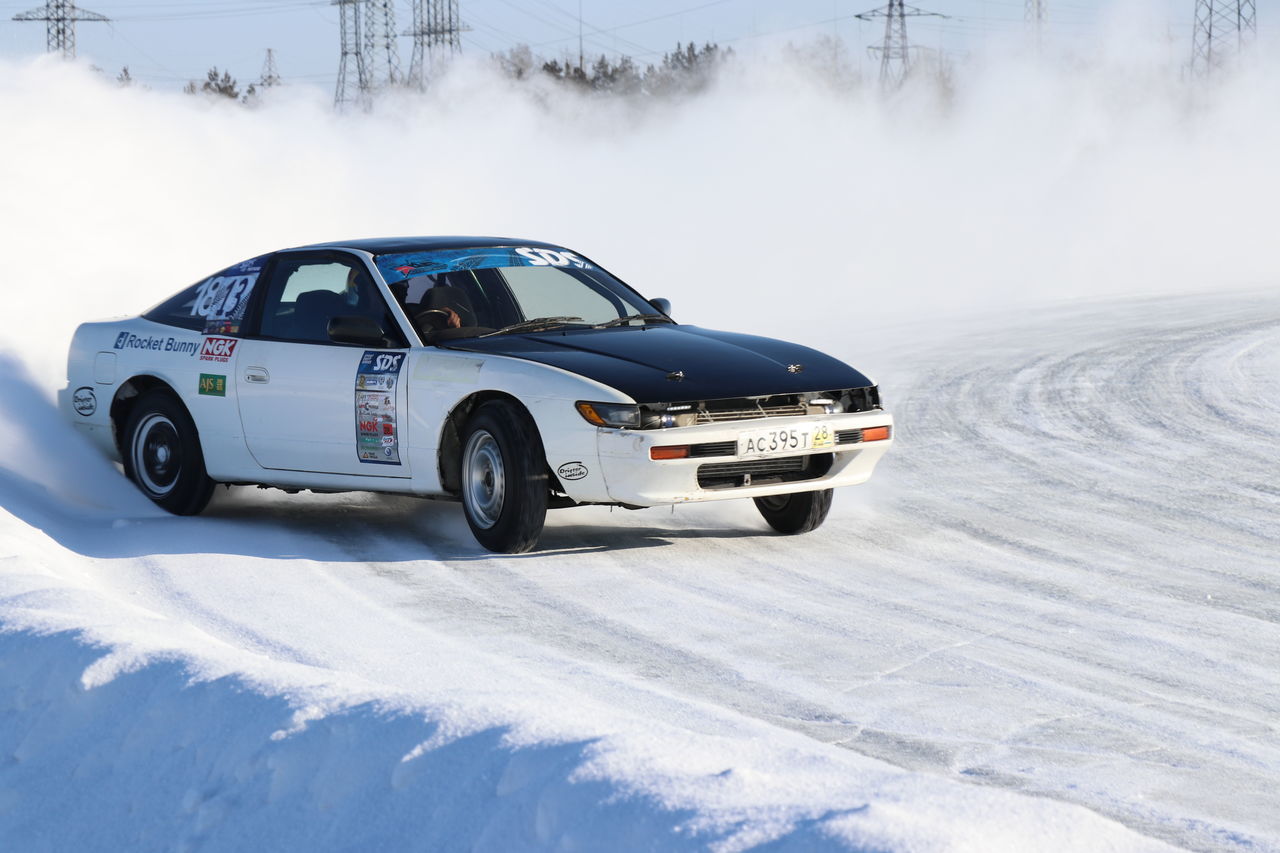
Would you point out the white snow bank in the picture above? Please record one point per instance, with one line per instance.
(151, 760)
(154, 759)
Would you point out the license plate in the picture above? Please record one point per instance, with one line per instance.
(793, 439)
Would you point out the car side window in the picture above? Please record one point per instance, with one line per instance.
(304, 294)
(180, 310)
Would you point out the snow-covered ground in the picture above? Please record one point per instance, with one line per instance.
(1063, 583)
(1048, 623)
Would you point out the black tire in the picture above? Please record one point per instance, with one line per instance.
(799, 512)
(162, 455)
(503, 478)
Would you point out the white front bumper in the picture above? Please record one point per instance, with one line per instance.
(632, 477)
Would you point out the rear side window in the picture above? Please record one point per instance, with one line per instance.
(179, 310)
(214, 305)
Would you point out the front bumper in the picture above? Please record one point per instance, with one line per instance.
(632, 477)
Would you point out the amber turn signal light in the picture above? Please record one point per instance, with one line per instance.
(875, 433)
(673, 451)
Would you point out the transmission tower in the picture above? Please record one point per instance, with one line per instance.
(437, 36)
(349, 91)
(895, 53)
(1222, 30)
(270, 74)
(381, 57)
(60, 17)
(1037, 15)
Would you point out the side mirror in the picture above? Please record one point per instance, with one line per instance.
(358, 330)
(663, 305)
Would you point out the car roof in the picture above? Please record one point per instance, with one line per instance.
(399, 245)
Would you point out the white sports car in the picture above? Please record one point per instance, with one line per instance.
(511, 375)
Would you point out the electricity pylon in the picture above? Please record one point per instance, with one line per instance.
(270, 74)
(1222, 29)
(381, 56)
(60, 17)
(437, 36)
(352, 54)
(1037, 15)
(895, 54)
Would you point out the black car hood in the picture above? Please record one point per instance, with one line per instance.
(670, 363)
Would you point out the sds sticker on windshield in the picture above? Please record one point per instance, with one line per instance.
(552, 258)
(377, 430)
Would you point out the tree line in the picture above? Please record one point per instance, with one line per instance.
(685, 70)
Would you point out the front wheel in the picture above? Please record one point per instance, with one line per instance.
(795, 513)
(162, 454)
(504, 478)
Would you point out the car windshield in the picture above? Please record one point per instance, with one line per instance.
(458, 293)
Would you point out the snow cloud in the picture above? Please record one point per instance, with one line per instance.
(771, 203)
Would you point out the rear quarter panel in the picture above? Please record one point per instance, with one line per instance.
(105, 356)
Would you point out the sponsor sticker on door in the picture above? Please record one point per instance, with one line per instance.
(377, 436)
(213, 385)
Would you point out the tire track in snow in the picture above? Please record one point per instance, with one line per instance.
(1071, 528)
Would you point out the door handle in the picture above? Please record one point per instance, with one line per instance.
(257, 375)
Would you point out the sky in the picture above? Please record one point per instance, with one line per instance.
(168, 42)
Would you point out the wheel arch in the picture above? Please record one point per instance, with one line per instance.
(127, 396)
(449, 453)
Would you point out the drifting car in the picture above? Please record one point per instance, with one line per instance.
(512, 376)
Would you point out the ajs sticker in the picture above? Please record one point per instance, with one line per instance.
(377, 430)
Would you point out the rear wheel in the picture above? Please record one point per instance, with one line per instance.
(795, 513)
(504, 478)
(162, 454)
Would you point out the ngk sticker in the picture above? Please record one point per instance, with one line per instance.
(218, 349)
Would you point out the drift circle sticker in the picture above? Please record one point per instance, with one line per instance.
(572, 471)
(84, 401)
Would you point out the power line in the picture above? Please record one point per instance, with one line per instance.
(220, 11)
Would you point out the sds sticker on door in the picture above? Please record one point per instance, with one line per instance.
(377, 430)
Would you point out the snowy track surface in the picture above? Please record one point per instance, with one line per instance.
(1063, 581)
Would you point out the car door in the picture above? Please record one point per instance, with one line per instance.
(308, 403)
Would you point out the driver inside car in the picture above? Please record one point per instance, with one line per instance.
(432, 303)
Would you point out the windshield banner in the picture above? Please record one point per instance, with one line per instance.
(410, 264)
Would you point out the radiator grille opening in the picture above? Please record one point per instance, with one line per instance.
(760, 472)
(750, 413)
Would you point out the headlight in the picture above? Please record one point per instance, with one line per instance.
(617, 415)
